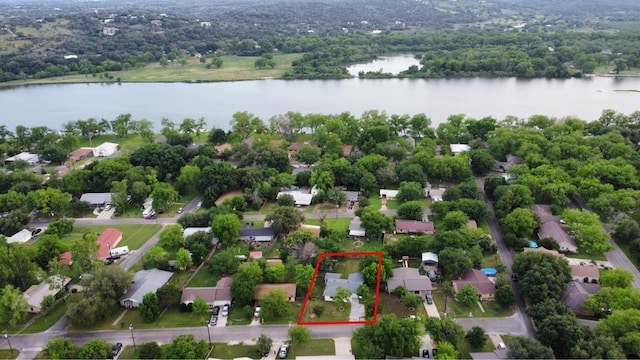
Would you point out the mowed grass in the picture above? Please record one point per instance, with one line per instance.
(316, 347)
(9, 354)
(226, 351)
(234, 68)
(290, 317)
(170, 318)
(455, 309)
(338, 224)
(331, 312)
(464, 348)
(390, 304)
(203, 278)
(133, 235)
(40, 322)
(346, 267)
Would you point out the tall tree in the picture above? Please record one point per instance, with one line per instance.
(284, 218)
(299, 335)
(274, 304)
(150, 307)
(95, 349)
(226, 227)
(60, 348)
(13, 306)
(163, 195)
(390, 335)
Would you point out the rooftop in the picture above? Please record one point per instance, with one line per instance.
(479, 280)
(410, 278)
(248, 230)
(96, 198)
(36, 293)
(334, 281)
(414, 226)
(145, 281)
(590, 271)
(109, 238)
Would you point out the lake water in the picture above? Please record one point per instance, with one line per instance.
(53, 105)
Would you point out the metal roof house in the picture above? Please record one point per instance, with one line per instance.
(411, 279)
(388, 194)
(457, 149)
(144, 281)
(24, 156)
(334, 280)
(429, 258)
(96, 199)
(300, 198)
(105, 149)
(355, 228)
(36, 293)
(21, 236)
(259, 234)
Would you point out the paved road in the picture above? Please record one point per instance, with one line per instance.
(507, 256)
(513, 325)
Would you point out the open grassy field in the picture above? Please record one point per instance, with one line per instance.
(346, 267)
(290, 317)
(234, 68)
(133, 236)
(204, 278)
(341, 224)
(389, 304)
(331, 311)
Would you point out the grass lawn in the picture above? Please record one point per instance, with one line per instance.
(587, 255)
(346, 267)
(491, 261)
(275, 252)
(393, 204)
(12, 354)
(624, 246)
(226, 351)
(44, 322)
(374, 200)
(133, 236)
(204, 278)
(315, 347)
(454, 309)
(131, 142)
(464, 348)
(265, 209)
(370, 245)
(236, 317)
(331, 311)
(290, 317)
(389, 304)
(341, 224)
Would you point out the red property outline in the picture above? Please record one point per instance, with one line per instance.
(313, 280)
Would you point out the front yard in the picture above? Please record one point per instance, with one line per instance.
(133, 236)
(290, 317)
(315, 347)
(226, 351)
(333, 223)
(331, 311)
(390, 304)
(464, 348)
(455, 309)
(169, 319)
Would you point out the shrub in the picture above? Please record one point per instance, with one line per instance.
(247, 311)
(318, 310)
(400, 291)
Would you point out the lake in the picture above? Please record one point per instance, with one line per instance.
(53, 105)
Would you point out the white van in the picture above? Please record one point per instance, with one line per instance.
(148, 213)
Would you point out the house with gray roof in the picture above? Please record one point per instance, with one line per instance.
(577, 293)
(96, 199)
(334, 280)
(551, 227)
(411, 279)
(258, 234)
(355, 229)
(36, 293)
(144, 282)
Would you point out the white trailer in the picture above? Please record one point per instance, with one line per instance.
(119, 251)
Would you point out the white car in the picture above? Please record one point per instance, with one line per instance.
(284, 350)
(108, 207)
(257, 312)
(225, 310)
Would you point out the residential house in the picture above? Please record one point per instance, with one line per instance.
(96, 199)
(218, 295)
(414, 227)
(388, 194)
(79, 154)
(301, 169)
(576, 293)
(436, 194)
(457, 149)
(66, 258)
(156, 22)
(300, 198)
(21, 236)
(109, 30)
(585, 272)
(24, 156)
(346, 150)
(36, 293)
(194, 230)
(480, 281)
(258, 234)
(411, 279)
(551, 227)
(355, 229)
(107, 240)
(144, 282)
(544, 250)
(295, 146)
(504, 166)
(262, 290)
(105, 149)
(334, 280)
(429, 259)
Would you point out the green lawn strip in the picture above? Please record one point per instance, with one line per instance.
(290, 317)
(332, 223)
(393, 204)
(9, 354)
(275, 250)
(331, 312)
(226, 351)
(346, 267)
(133, 235)
(349, 245)
(131, 142)
(43, 322)
(236, 317)
(128, 352)
(309, 209)
(389, 304)
(587, 255)
(464, 348)
(455, 309)
(315, 347)
(485, 227)
(374, 200)
(491, 261)
(204, 278)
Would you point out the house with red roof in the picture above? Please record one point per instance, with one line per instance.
(109, 238)
(480, 281)
(414, 227)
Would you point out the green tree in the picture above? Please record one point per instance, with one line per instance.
(597, 347)
(476, 337)
(95, 349)
(169, 295)
(446, 351)
(183, 259)
(307, 154)
(48, 247)
(410, 191)
(454, 262)
(284, 218)
(390, 335)
(411, 210)
(274, 273)
(47, 304)
(561, 333)
(163, 195)
(286, 200)
(374, 222)
(616, 277)
(541, 276)
(622, 326)
(274, 305)
(467, 296)
(304, 273)
(520, 347)
(149, 307)
(60, 348)
(224, 262)
(444, 329)
(481, 162)
(150, 350)
(186, 347)
(264, 344)
(299, 335)
(589, 233)
(171, 236)
(244, 283)
(505, 296)
(155, 257)
(455, 220)
(119, 194)
(548, 307)
(13, 306)
(188, 179)
(342, 295)
(200, 307)
(520, 222)
(226, 227)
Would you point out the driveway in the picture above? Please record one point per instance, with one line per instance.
(357, 309)
(106, 214)
(343, 346)
(432, 310)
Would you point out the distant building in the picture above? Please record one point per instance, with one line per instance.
(105, 149)
(257, 234)
(214, 296)
(388, 194)
(109, 30)
(411, 279)
(21, 236)
(576, 293)
(582, 272)
(551, 227)
(480, 281)
(144, 282)
(24, 156)
(79, 154)
(457, 149)
(355, 229)
(414, 227)
(429, 259)
(300, 198)
(436, 194)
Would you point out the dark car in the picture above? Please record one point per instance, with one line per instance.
(216, 310)
(425, 353)
(514, 277)
(116, 350)
(434, 352)
(429, 299)
(213, 321)
(36, 232)
(109, 261)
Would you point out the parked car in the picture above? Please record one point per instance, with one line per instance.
(180, 210)
(434, 352)
(514, 277)
(284, 350)
(216, 310)
(109, 261)
(36, 232)
(199, 204)
(429, 299)
(225, 310)
(425, 353)
(108, 207)
(213, 321)
(501, 345)
(256, 313)
(116, 350)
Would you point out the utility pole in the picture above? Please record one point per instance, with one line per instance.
(132, 337)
